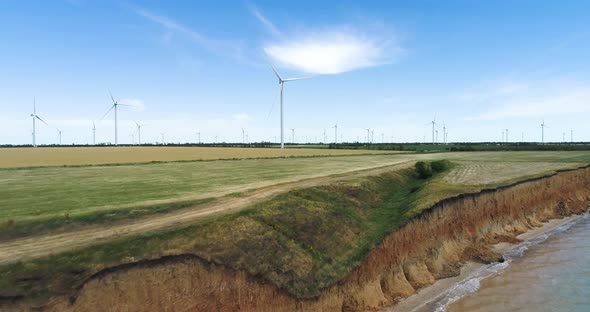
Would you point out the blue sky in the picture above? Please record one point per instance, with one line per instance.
(202, 66)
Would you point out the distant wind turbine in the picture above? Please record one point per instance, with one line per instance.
(139, 132)
(543, 126)
(444, 133)
(114, 106)
(281, 83)
(433, 122)
(243, 136)
(335, 133)
(506, 135)
(93, 133)
(162, 134)
(198, 137)
(34, 116)
(572, 136)
(368, 135)
(59, 133)
(292, 136)
(324, 136)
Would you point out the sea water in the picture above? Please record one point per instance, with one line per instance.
(548, 273)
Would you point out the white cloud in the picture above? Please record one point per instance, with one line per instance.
(136, 103)
(333, 51)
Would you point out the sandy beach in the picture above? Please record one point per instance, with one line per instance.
(425, 299)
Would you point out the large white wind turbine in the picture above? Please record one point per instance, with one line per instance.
(335, 133)
(368, 135)
(115, 104)
(139, 131)
(281, 83)
(34, 116)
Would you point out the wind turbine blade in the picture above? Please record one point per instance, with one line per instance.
(112, 98)
(105, 114)
(41, 119)
(276, 73)
(136, 123)
(296, 78)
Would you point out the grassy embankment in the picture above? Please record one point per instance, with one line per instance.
(302, 241)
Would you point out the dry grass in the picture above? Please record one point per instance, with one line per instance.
(486, 173)
(76, 156)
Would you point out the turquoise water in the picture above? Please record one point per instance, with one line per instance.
(549, 273)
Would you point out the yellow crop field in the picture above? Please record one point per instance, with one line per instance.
(73, 156)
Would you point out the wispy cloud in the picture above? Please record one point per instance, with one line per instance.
(268, 25)
(333, 50)
(232, 48)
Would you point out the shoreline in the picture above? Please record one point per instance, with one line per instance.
(425, 299)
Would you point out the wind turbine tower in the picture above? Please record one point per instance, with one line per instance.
(433, 122)
(292, 136)
(59, 132)
(34, 116)
(572, 136)
(543, 126)
(335, 133)
(198, 137)
(162, 134)
(139, 132)
(506, 135)
(281, 83)
(93, 133)
(368, 135)
(114, 106)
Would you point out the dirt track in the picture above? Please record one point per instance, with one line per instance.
(38, 246)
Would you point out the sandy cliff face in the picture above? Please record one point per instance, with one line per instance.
(430, 247)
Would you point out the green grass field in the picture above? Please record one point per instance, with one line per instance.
(37, 198)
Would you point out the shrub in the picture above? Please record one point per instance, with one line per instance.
(440, 165)
(423, 170)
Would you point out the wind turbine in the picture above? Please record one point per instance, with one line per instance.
(292, 136)
(436, 136)
(93, 133)
(335, 133)
(368, 135)
(199, 137)
(506, 135)
(138, 132)
(115, 104)
(34, 116)
(281, 83)
(433, 122)
(444, 133)
(543, 126)
(162, 134)
(324, 136)
(572, 136)
(59, 132)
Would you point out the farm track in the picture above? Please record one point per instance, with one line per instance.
(44, 245)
